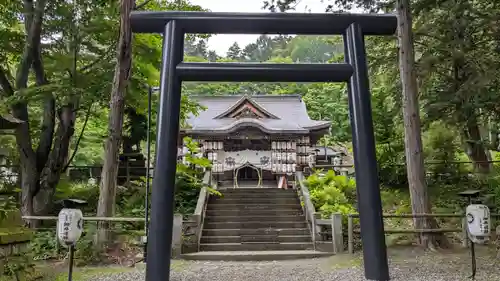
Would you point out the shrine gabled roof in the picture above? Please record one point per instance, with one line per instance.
(272, 114)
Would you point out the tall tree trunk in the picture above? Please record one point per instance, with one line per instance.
(33, 22)
(413, 141)
(493, 134)
(40, 170)
(51, 173)
(106, 207)
(475, 147)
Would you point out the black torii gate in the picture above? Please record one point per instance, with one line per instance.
(175, 24)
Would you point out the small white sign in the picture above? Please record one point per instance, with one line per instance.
(69, 226)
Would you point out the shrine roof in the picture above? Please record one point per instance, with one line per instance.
(270, 113)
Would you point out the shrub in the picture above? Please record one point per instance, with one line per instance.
(331, 193)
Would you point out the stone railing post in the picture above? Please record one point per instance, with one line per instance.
(350, 234)
(337, 235)
(177, 236)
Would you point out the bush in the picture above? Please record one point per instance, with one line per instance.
(43, 246)
(79, 190)
(331, 193)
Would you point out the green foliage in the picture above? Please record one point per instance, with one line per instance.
(44, 246)
(18, 267)
(395, 202)
(86, 191)
(188, 182)
(441, 146)
(8, 197)
(331, 193)
(492, 183)
(86, 252)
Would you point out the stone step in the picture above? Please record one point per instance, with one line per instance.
(252, 218)
(255, 255)
(239, 232)
(234, 195)
(256, 246)
(262, 200)
(257, 238)
(254, 207)
(257, 191)
(273, 212)
(255, 225)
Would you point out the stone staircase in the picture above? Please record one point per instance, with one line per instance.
(255, 224)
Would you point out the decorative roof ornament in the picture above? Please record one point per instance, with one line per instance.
(242, 106)
(247, 113)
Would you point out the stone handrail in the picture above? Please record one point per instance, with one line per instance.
(202, 197)
(199, 213)
(309, 209)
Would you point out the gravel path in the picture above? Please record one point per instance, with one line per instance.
(411, 267)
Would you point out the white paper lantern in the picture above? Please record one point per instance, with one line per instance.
(69, 226)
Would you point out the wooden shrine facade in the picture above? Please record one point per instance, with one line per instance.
(255, 137)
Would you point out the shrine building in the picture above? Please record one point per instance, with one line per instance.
(255, 140)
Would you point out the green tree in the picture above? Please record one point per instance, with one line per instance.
(411, 119)
(107, 194)
(56, 73)
(107, 191)
(459, 66)
(234, 52)
(65, 66)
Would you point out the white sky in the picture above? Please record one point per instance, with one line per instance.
(220, 43)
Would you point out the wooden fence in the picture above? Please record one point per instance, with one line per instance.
(335, 223)
(178, 227)
(462, 229)
(336, 226)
